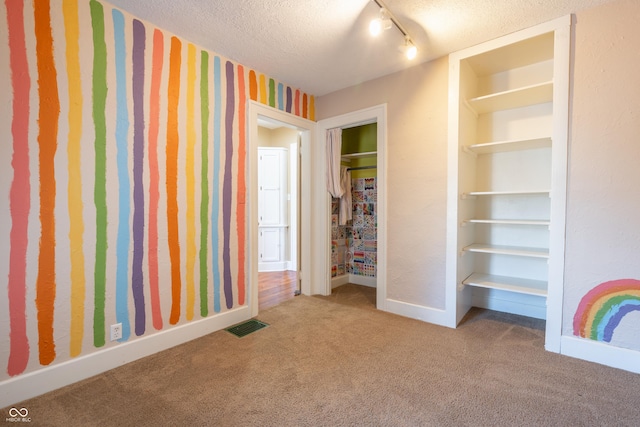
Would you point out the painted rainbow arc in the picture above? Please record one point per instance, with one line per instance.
(603, 307)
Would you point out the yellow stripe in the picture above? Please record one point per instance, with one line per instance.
(76, 224)
(190, 171)
(263, 89)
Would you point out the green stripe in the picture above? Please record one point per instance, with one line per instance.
(100, 189)
(204, 203)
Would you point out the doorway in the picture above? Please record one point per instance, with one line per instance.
(371, 115)
(298, 236)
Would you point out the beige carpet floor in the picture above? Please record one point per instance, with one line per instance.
(336, 361)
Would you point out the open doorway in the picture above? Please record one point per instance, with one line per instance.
(374, 115)
(290, 256)
(278, 212)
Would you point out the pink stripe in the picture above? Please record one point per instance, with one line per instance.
(20, 190)
(154, 177)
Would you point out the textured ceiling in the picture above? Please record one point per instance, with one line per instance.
(323, 46)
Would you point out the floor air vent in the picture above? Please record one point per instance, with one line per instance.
(245, 328)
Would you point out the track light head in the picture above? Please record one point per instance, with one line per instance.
(410, 50)
(376, 26)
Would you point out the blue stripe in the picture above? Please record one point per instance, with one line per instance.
(122, 128)
(215, 196)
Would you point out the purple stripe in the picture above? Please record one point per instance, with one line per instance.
(226, 189)
(138, 185)
(289, 97)
(615, 319)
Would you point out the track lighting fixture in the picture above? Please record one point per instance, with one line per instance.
(379, 24)
(385, 21)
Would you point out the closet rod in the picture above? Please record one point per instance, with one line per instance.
(362, 167)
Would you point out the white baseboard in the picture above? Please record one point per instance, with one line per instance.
(418, 312)
(371, 282)
(47, 379)
(339, 281)
(598, 352)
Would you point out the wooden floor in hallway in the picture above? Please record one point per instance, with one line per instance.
(275, 287)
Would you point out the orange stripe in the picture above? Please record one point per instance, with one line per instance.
(172, 177)
(253, 86)
(47, 142)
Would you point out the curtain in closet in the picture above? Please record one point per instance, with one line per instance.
(334, 148)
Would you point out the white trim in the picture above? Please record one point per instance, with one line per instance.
(339, 281)
(322, 244)
(363, 280)
(44, 380)
(418, 312)
(307, 226)
(598, 352)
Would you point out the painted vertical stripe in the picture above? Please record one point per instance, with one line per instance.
(173, 138)
(272, 93)
(312, 108)
(253, 86)
(242, 185)
(215, 195)
(263, 89)
(48, 144)
(154, 176)
(122, 161)
(289, 100)
(20, 193)
(137, 85)
(190, 177)
(280, 96)
(99, 96)
(227, 184)
(204, 183)
(304, 106)
(297, 103)
(74, 198)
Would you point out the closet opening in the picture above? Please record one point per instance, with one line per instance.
(354, 214)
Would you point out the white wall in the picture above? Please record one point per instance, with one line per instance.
(603, 209)
(417, 180)
(603, 217)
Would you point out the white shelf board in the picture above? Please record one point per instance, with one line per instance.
(505, 193)
(515, 98)
(508, 250)
(510, 145)
(359, 155)
(511, 284)
(510, 221)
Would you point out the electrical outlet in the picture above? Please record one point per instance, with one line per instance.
(116, 331)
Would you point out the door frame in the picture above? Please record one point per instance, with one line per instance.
(322, 199)
(307, 130)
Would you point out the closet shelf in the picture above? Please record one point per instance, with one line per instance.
(507, 250)
(359, 155)
(504, 193)
(515, 98)
(512, 284)
(510, 221)
(510, 145)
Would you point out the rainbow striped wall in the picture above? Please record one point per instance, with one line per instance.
(123, 176)
(603, 307)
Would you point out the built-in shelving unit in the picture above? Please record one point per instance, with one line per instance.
(507, 174)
